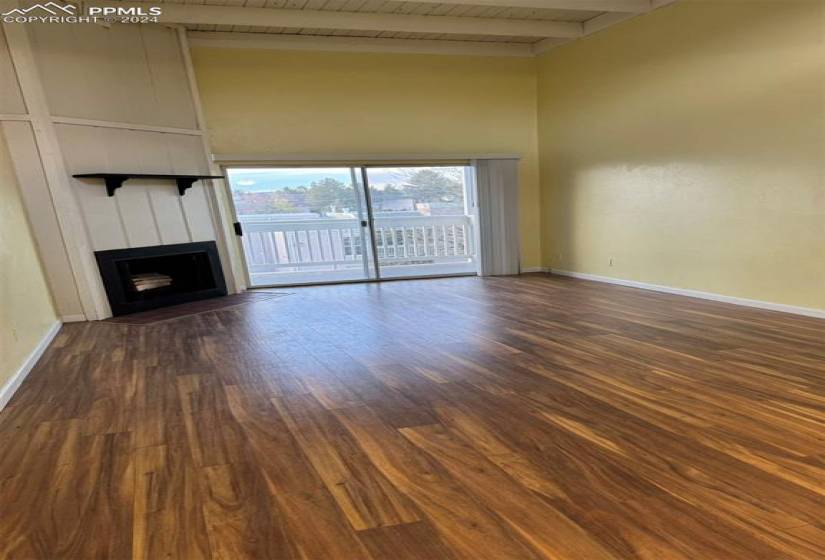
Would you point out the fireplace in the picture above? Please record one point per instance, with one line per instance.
(150, 277)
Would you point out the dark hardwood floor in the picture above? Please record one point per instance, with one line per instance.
(502, 418)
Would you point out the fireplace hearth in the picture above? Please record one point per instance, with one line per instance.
(146, 278)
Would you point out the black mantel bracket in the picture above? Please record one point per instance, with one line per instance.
(115, 180)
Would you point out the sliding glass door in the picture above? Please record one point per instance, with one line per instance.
(302, 225)
(423, 220)
(307, 225)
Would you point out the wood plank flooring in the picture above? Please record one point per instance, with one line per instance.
(521, 418)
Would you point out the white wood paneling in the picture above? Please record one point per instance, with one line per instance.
(406, 26)
(595, 5)
(604, 21)
(101, 99)
(186, 153)
(75, 241)
(83, 150)
(319, 19)
(128, 150)
(122, 73)
(169, 77)
(170, 217)
(129, 126)
(425, 26)
(355, 44)
(11, 100)
(555, 10)
(45, 227)
(142, 212)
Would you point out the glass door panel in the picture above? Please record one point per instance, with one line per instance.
(423, 220)
(302, 225)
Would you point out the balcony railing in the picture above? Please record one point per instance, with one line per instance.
(273, 245)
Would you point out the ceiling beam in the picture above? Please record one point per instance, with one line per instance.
(353, 44)
(627, 6)
(604, 21)
(194, 14)
(594, 25)
(546, 44)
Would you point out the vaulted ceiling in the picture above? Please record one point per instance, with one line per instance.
(507, 27)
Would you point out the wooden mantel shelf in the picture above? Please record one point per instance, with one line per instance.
(115, 180)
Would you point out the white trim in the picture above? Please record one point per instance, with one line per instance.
(221, 218)
(244, 278)
(194, 14)
(75, 237)
(616, 12)
(127, 126)
(781, 307)
(79, 318)
(529, 269)
(399, 158)
(546, 44)
(16, 380)
(604, 21)
(596, 24)
(285, 42)
(14, 117)
(638, 6)
(471, 197)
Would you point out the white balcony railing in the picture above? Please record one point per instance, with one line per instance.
(273, 245)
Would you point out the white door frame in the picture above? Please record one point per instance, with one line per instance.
(227, 162)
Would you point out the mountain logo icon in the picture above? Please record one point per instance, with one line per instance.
(52, 8)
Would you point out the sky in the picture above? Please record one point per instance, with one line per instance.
(268, 179)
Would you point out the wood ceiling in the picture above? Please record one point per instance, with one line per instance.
(506, 27)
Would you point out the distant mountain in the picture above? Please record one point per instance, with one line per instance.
(264, 180)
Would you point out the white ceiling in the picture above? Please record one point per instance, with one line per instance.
(514, 27)
(394, 7)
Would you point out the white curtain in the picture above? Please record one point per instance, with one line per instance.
(497, 191)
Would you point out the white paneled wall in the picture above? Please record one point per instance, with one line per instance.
(122, 73)
(11, 100)
(116, 99)
(34, 191)
(142, 212)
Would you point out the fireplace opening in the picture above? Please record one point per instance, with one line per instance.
(151, 277)
(146, 278)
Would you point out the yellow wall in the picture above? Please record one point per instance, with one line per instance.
(26, 311)
(263, 101)
(688, 146)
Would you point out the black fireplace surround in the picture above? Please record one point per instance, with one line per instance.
(194, 270)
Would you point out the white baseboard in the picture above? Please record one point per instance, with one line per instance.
(796, 310)
(79, 318)
(17, 379)
(529, 269)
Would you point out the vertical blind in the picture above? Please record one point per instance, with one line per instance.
(497, 188)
